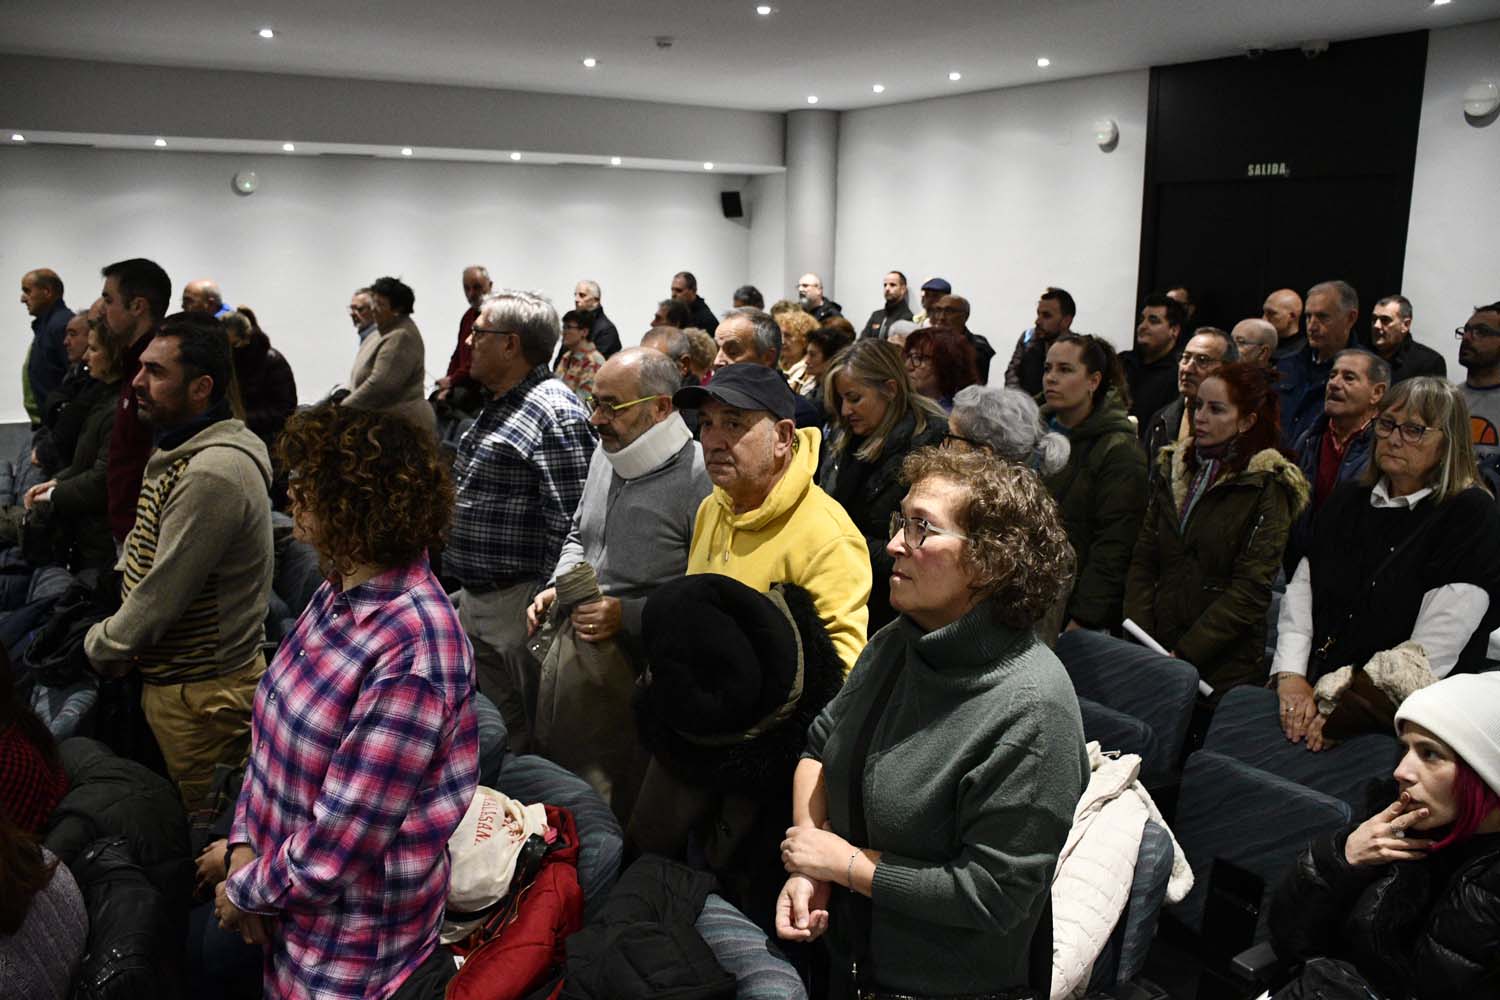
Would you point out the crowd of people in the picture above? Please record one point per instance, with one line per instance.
(781, 589)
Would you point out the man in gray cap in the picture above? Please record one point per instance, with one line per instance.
(766, 521)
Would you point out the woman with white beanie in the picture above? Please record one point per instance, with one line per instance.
(1409, 900)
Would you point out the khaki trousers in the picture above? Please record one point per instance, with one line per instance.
(201, 724)
(495, 622)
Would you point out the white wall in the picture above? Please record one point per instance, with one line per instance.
(1003, 193)
(320, 227)
(765, 202)
(1453, 242)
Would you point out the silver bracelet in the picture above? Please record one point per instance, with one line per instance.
(849, 875)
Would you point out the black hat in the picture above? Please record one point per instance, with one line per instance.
(746, 386)
(723, 656)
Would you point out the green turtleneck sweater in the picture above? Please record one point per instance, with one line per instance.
(970, 785)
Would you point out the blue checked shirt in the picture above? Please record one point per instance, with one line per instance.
(519, 475)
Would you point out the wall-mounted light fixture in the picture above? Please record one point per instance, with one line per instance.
(1106, 134)
(1482, 99)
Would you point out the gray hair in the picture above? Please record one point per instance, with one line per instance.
(1259, 330)
(1342, 290)
(767, 330)
(1377, 369)
(657, 374)
(1231, 353)
(529, 314)
(592, 286)
(669, 341)
(1008, 421)
(1403, 305)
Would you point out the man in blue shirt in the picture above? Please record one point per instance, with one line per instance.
(47, 361)
(1331, 311)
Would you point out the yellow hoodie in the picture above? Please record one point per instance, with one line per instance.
(799, 535)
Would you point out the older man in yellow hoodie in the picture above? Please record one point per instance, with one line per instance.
(766, 521)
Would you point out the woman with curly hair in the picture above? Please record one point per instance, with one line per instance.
(938, 787)
(364, 744)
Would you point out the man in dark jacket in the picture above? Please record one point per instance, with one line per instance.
(136, 294)
(603, 333)
(1337, 447)
(685, 290)
(1209, 348)
(1331, 311)
(1151, 366)
(1390, 327)
(268, 389)
(46, 362)
(952, 313)
(896, 307)
(810, 293)
(1055, 310)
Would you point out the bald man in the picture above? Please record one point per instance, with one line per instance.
(203, 295)
(1255, 340)
(47, 359)
(457, 386)
(951, 312)
(810, 292)
(1283, 310)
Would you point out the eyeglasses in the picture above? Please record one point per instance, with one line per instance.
(1476, 330)
(476, 328)
(1192, 360)
(950, 439)
(1410, 433)
(917, 360)
(916, 529)
(594, 404)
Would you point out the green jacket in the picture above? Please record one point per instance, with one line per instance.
(1202, 591)
(1101, 493)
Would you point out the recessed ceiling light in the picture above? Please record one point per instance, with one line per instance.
(708, 166)
(1441, 3)
(267, 33)
(614, 161)
(590, 62)
(812, 98)
(515, 156)
(160, 144)
(1043, 62)
(17, 137)
(765, 10)
(287, 147)
(879, 88)
(405, 150)
(955, 76)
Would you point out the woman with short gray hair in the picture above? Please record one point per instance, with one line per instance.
(1008, 423)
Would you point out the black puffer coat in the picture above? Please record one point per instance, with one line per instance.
(1423, 930)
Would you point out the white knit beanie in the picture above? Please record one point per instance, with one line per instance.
(1464, 712)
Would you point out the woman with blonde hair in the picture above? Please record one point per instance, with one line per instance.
(878, 419)
(795, 325)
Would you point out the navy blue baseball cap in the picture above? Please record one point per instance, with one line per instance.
(745, 386)
(937, 285)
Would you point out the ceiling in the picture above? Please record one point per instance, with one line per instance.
(723, 54)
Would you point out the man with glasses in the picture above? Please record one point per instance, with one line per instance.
(633, 526)
(766, 521)
(1479, 353)
(1331, 311)
(1209, 348)
(951, 312)
(518, 476)
(1255, 340)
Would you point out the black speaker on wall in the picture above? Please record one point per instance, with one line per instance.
(730, 202)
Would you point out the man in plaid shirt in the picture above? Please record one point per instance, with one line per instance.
(519, 474)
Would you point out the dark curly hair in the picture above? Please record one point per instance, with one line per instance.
(374, 483)
(1017, 550)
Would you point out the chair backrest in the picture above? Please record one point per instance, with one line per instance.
(529, 778)
(1128, 678)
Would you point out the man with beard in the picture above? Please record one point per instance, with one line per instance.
(895, 308)
(1479, 353)
(197, 562)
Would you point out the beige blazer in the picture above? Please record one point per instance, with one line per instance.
(389, 374)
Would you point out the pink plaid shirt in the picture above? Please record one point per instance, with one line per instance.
(363, 761)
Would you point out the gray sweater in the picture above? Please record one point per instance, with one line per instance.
(38, 961)
(973, 774)
(636, 532)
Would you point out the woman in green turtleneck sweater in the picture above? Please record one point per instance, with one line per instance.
(930, 865)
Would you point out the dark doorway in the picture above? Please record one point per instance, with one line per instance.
(1282, 171)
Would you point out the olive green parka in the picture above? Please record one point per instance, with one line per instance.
(1202, 590)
